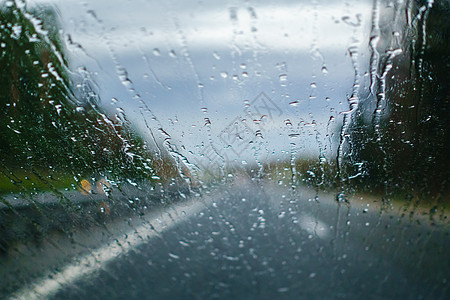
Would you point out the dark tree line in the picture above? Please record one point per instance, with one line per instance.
(410, 154)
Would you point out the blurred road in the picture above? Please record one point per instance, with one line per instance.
(258, 241)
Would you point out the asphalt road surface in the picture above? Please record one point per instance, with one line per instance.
(260, 241)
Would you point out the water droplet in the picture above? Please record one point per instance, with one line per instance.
(216, 55)
(243, 66)
(341, 198)
(156, 52)
(131, 182)
(174, 256)
(244, 74)
(233, 14)
(58, 108)
(224, 74)
(324, 70)
(183, 243)
(172, 54)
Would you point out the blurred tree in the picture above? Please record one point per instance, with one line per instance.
(410, 153)
(43, 126)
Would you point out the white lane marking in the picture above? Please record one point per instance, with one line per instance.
(88, 264)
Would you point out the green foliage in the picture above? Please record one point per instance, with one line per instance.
(42, 125)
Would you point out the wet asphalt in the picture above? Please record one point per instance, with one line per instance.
(255, 241)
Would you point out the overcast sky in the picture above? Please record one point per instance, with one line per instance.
(206, 71)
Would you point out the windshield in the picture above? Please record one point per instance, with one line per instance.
(207, 149)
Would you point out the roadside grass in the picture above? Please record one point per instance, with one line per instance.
(415, 209)
(16, 181)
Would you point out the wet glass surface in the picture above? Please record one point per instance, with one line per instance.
(194, 149)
